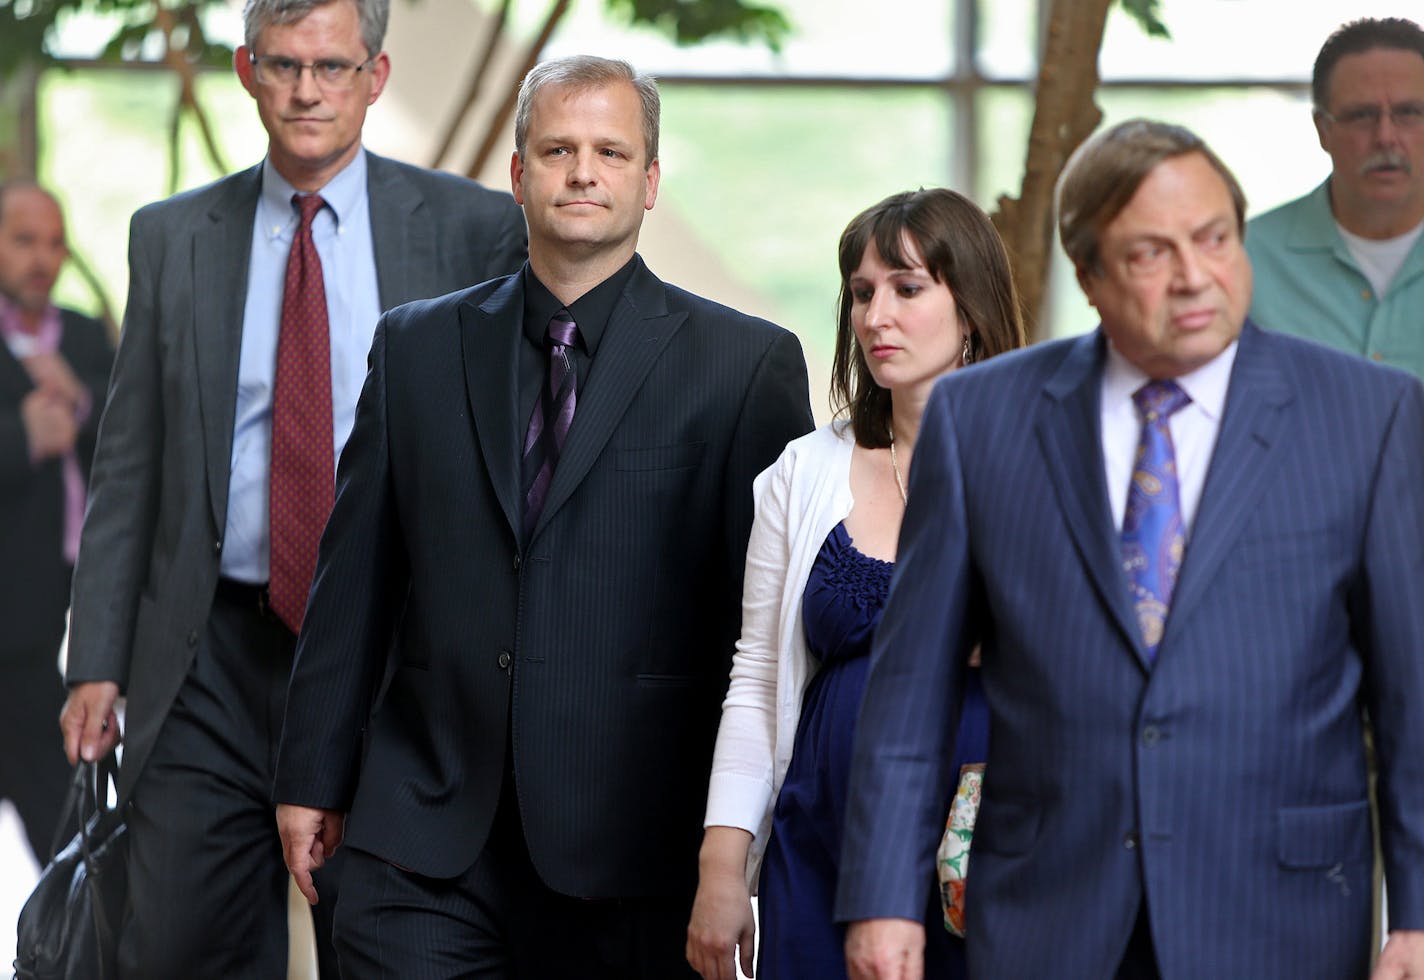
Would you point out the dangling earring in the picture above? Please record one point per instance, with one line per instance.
(967, 357)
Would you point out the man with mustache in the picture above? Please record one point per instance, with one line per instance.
(251, 307)
(1344, 265)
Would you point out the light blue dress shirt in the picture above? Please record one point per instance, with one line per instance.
(342, 232)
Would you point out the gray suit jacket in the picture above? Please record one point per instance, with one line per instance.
(153, 533)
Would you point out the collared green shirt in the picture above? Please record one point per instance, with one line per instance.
(1308, 284)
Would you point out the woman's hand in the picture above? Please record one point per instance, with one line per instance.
(722, 923)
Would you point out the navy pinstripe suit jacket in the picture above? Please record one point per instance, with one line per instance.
(601, 646)
(1226, 785)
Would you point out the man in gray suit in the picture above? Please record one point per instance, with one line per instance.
(214, 469)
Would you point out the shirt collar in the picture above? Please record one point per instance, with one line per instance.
(591, 311)
(21, 341)
(1206, 386)
(342, 193)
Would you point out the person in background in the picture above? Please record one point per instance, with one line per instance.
(54, 366)
(1190, 551)
(1344, 264)
(926, 289)
(251, 307)
(539, 536)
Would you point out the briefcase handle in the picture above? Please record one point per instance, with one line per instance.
(88, 795)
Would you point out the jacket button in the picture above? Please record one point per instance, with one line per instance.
(516, 563)
(505, 660)
(1129, 840)
(1151, 735)
(192, 638)
(217, 546)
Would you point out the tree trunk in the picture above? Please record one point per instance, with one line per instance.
(19, 123)
(506, 108)
(1064, 115)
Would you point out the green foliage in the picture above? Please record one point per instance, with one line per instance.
(23, 25)
(26, 26)
(692, 21)
(1147, 13)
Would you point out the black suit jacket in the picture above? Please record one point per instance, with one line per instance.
(602, 647)
(36, 592)
(153, 537)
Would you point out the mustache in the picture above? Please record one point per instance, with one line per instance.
(1386, 160)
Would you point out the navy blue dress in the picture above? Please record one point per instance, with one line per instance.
(845, 594)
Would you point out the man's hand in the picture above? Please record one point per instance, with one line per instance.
(51, 373)
(50, 424)
(88, 721)
(886, 949)
(309, 837)
(1402, 957)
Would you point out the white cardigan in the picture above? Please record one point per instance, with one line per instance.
(799, 500)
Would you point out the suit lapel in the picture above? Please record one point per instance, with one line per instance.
(1239, 473)
(405, 262)
(638, 332)
(489, 338)
(1070, 436)
(13, 376)
(222, 250)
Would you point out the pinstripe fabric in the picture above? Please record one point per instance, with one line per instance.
(603, 645)
(1227, 784)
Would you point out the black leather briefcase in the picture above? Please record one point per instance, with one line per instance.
(68, 928)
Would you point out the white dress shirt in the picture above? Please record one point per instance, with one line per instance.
(1194, 428)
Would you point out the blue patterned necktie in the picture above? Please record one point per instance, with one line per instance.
(1153, 538)
(553, 414)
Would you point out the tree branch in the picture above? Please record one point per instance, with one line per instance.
(506, 108)
(472, 93)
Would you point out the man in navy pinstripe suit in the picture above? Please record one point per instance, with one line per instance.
(1189, 802)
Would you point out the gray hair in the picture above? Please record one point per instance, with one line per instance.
(581, 72)
(257, 14)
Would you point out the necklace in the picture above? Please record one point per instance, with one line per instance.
(899, 480)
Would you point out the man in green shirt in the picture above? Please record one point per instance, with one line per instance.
(1344, 264)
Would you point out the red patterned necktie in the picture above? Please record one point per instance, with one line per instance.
(553, 414)
(302, 476)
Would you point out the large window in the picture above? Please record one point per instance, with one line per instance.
(766, 156)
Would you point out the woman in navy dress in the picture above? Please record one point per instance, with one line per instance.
(925, 289)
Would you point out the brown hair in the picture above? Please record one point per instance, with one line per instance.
(1357, 37)
(960, 249)
(1106, 171)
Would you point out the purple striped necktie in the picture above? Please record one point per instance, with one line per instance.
(553, 414)
(1153, 536)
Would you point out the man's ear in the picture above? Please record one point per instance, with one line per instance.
(380, 71)
(516, 177)
(242, 64)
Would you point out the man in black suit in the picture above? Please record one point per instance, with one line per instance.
(251, 307)
(560, 614)
(54, 366)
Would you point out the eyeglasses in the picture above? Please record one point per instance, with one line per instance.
(1366, 118)
(329, 74)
